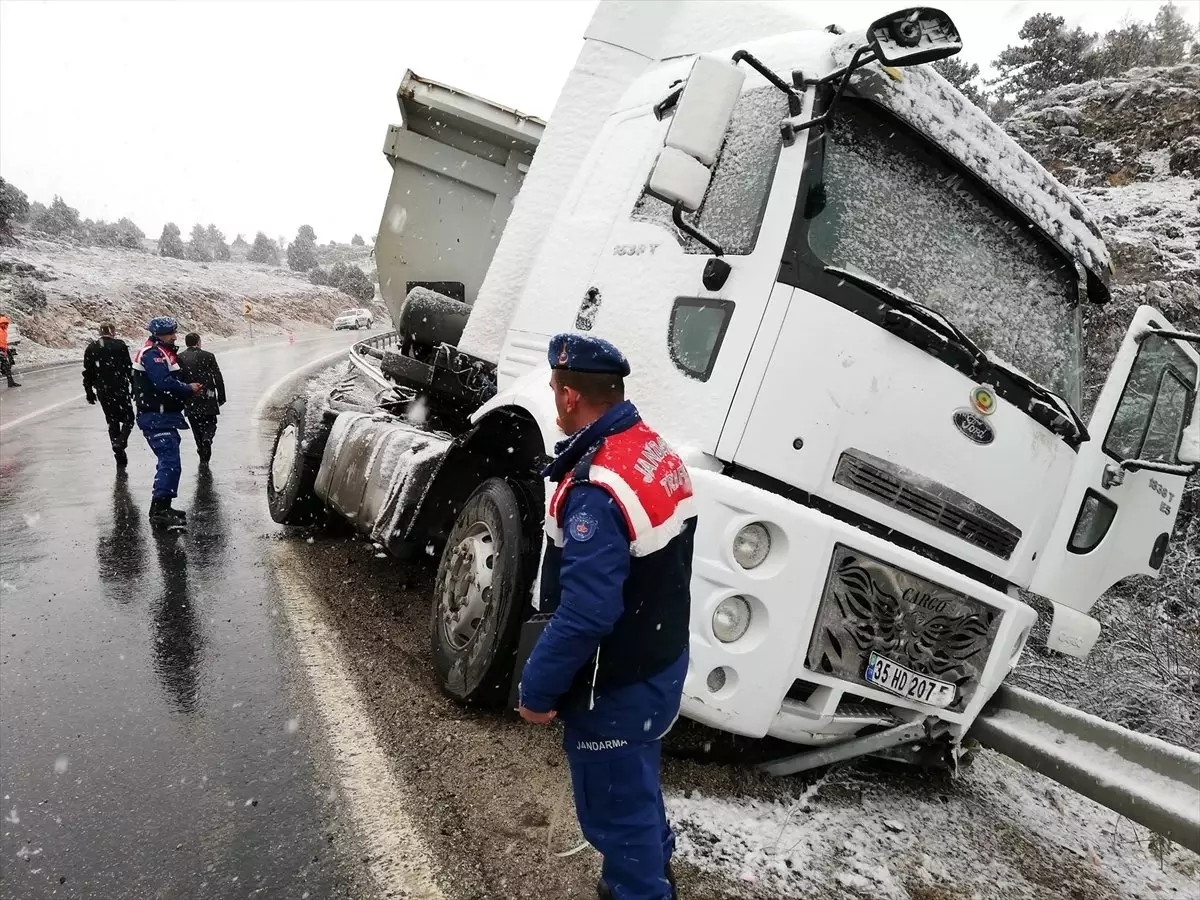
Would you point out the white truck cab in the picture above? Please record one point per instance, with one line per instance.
(850, 301)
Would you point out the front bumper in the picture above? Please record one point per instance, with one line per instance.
(784, 592)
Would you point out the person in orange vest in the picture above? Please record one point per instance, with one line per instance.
(6, 362)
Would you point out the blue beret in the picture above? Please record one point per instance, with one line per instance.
(162, 325)
(584, 353)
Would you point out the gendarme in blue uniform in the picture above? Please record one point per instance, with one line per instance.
(612, 660)
(160, 397)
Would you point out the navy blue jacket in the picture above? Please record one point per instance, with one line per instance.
(159, 393)
(616, 576)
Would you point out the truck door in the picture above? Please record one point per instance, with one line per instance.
(689, 344)
(1127, 482)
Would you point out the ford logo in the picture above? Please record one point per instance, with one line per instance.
(973, 426)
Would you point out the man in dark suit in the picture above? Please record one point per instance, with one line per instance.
(106, 372)
(202, 410)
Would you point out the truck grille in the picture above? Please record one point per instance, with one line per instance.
(933, 503)
(871, 606)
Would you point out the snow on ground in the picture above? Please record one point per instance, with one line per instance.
(1163, 215)
(57, 293)
(996, 832)
(30, 354)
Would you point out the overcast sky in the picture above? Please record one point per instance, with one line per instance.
(267, 115)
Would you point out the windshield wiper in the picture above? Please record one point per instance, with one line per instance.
(1053, 403)
(1045, 407)
(935, 321)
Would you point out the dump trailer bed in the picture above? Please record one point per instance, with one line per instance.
(457, 163)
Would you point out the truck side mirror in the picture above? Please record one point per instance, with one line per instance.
(679, 179)
(919, 34)
(911, 36)
(703, 108)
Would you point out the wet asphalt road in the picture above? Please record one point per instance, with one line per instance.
(153, 742)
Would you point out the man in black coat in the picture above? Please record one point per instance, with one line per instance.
(202, 410)
(106, 370)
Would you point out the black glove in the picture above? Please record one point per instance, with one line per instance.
(91, 398)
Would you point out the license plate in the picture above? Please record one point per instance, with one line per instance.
(891, 676)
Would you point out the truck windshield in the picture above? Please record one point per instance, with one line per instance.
(894, 209)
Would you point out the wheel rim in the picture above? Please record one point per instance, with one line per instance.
(467, 591)
(285, 457)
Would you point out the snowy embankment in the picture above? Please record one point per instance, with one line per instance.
(996, 832)
(57, 293)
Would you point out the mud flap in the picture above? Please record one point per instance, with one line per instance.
(531, 630)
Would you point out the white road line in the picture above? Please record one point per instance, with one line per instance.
(400, 862)
(37, 413)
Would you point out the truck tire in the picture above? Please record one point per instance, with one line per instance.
(480, 595)
(292, 475)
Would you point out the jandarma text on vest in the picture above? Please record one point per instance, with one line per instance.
(601, 745)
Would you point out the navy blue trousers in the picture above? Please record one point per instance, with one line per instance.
(619, 803)
(165, 444)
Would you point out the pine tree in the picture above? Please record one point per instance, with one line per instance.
(302, 252)
(170, 242)
(349, 279)
(1133, 44)
(216, 243)
(264, 250)
(58, 219)
(128, 235)
(1172, 35)
(197, 246)
(14, 207)
(357, 241)
(1051, 57)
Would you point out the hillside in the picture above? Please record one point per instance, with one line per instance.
(1130, 149)
(57, 292)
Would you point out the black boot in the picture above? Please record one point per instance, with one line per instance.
(121, 457)
(603, 892)
(178, 516)
(158, 511)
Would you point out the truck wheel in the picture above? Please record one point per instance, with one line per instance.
(294, 466)
(480, 594)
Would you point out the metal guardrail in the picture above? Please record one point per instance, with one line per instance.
(1147, 780)
(365, 353)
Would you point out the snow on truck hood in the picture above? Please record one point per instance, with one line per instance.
(936, 109)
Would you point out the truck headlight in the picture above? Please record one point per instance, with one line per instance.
(751, 545)
(731, 619)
